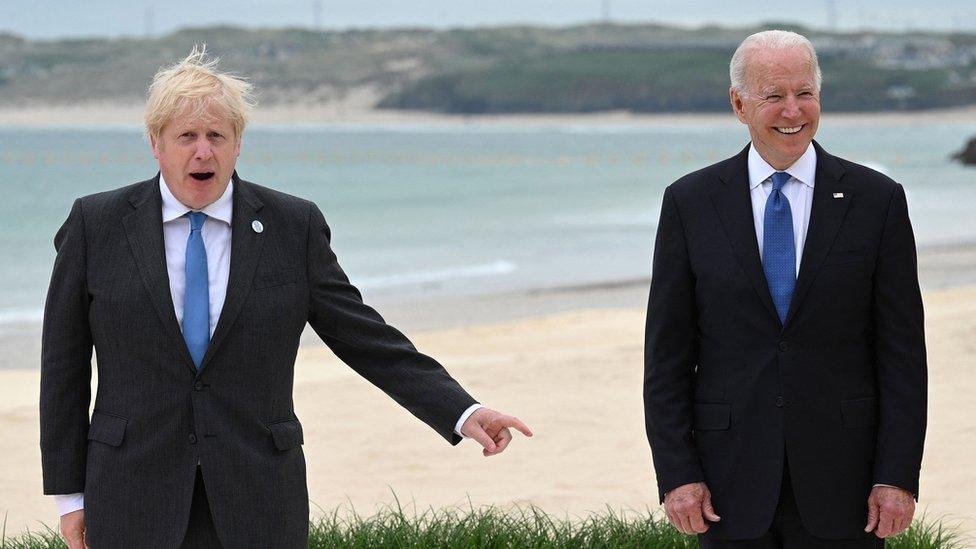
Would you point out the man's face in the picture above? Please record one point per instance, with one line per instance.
(781, 104)
(197, 155)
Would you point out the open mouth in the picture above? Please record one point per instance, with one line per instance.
(201, 176)
(789, 131)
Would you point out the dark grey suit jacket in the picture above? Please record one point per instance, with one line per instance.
(156, 417)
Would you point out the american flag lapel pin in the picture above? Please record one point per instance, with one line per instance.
(838, 195)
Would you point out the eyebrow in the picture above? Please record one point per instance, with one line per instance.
(771, 90)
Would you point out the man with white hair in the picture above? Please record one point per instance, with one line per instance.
(194, 287)
(785, 369)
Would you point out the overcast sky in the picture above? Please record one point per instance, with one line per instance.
(111, 18)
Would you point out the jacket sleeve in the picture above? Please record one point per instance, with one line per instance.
(670, 356)
(899, 348)
(359, 336)
(66, 352)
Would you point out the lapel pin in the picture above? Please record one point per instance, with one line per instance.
(259, 228)
(836, 195)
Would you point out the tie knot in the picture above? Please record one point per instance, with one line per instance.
(197, 219)
(780, 179)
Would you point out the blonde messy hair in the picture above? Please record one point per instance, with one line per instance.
(195, 86)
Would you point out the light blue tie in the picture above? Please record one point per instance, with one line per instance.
(196, 298)
(779, 248)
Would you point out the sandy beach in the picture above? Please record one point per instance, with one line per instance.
(569, 363)
(359, 112)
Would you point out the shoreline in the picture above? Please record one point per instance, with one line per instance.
(942, 266)
(112, 115)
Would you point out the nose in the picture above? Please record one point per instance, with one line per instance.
(791, 108)
(204, 150)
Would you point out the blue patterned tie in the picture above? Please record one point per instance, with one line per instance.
(779, 248)
(196, 298)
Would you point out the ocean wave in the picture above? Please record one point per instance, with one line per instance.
(438, 275)
(640, 220)
(20, 315)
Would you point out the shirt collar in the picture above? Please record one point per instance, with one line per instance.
(803, 170)
(222, 208)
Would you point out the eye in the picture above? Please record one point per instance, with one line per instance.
(773, 97)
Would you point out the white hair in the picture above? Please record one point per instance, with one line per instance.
(769, 40)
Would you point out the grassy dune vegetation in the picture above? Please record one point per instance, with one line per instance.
(531, 528)
(587, 68)
(661, 80)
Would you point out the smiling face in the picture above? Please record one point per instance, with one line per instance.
(781, 104)
(197, 153)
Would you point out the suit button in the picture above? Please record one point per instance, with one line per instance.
(193, 438)
(198, 385)
(779, 402)
(784, 346)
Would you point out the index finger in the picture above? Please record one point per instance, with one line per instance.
(515, 423)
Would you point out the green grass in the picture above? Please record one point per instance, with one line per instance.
(523, 527)
(490, 527)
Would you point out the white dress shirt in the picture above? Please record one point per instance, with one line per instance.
(798, 190)
(216, 240)
(216, 234)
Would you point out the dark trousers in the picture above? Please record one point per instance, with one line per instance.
(200, 532)
(787, 531)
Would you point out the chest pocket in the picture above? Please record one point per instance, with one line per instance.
(275, 278)
(845, 257)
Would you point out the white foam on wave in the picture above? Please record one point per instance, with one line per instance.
(20, 315)
(640, 220)
(876, 166)
(438, 275)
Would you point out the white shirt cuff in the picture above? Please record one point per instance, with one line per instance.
(69, 503)
(464, 417)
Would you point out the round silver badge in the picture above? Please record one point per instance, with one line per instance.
(257, 226)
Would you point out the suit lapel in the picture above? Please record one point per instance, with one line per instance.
(144, 231)
(734, 206)
(826, 215)
(245, 250)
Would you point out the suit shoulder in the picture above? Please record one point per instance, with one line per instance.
(867, 179)
(696, 181)
(113, 200)
(284, 202)
(113, 195)
(296, 212)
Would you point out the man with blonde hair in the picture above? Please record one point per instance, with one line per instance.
(785, 369)
(193, 288)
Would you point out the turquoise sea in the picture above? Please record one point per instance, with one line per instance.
(423, 211)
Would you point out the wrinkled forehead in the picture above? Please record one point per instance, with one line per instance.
(777, 68)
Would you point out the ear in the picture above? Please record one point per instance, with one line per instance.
(237, 147)
(155, 146)
(737, 107)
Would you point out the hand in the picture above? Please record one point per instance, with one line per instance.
(890, 511)
(687, 504)
(73, 529)
(490, 429)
